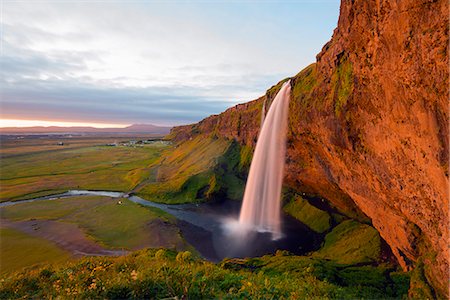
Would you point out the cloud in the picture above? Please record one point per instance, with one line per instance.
(167, 63)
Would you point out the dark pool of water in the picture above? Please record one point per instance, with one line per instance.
(207, 226)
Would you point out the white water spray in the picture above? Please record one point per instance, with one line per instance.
(261, 205)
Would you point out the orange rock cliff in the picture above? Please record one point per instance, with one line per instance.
(368, 126)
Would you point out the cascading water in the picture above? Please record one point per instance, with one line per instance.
(263, 112)
(261, 205)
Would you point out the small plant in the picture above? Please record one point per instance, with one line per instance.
(185, 256)
(160, 254)
(282, 253)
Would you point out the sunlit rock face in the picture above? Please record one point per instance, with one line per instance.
(368, 126)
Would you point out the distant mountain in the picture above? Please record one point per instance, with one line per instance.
(135, 128)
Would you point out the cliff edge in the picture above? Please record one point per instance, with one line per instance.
(368, 127)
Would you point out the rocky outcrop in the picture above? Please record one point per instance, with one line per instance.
(368, 126)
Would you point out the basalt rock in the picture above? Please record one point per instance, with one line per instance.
(368, 126)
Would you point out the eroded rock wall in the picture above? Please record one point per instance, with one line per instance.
(369, 126)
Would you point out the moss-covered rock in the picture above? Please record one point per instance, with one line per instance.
(351, 243)
(419, 287)
(316, 219)
(341, 85)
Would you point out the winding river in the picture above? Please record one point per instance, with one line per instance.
(206, 227)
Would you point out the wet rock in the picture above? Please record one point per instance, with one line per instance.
(369, 126)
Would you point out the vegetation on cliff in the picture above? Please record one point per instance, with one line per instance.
(154, 273)
(368, 127)
(313, 217)
(200, 169)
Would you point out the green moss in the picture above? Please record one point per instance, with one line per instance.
(185, 172)
(338, 218)
(246, 155)
(305, 81)
(231, 170)
(341, 85)
(196, 187)
(364, 276)
(200, 169)
(367, 282)
(304, 96)
(419, 288)
(350, 243)
(375, 282)
(400, 283)
(316, 219)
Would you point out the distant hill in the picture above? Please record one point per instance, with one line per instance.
(135, 128)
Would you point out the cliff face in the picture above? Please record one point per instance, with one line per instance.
(368, 126)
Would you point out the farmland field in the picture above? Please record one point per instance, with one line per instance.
(41, 167)
(55, 230)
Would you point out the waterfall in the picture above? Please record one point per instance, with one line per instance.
(261, 207)
(263, 111)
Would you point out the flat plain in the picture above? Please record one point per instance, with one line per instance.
(33, 167)
(54, 230)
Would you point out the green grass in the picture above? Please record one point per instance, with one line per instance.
(350, 243)
(96, 167)
(316, 219)
(185, 171)
(154, 273)
(18, 250)
(102, 219)
(371, 282)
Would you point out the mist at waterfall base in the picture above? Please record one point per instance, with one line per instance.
(259, 229)
(214, 231)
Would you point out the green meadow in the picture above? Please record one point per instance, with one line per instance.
(19, 250)
(115, 226)
(43, 172)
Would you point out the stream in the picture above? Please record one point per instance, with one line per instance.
(206, 226)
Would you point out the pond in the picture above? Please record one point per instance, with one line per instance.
(212, 228)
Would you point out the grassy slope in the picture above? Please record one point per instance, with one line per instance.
(18, 250)
(186, 172)
(115, 226)
(161, 273)
(316, 219)
(96, 167)
(351, 242)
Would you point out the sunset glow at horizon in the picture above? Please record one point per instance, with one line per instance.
(32, 123)
(162, 62)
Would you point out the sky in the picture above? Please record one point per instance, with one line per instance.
(156, 62)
